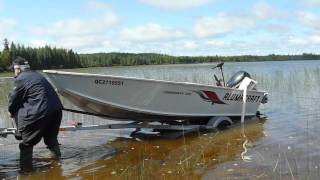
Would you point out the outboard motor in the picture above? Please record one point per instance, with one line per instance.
(237, 78)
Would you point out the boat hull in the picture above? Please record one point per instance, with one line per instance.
(151, 100)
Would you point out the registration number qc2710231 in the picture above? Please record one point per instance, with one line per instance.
(108, 82)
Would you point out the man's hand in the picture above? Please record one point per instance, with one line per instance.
(18, 135)
(10, 115)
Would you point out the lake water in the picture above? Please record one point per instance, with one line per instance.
(284, 145)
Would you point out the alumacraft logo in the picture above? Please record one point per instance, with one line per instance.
(209, 96)
(239, 97)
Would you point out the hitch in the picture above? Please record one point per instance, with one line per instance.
(4, 132)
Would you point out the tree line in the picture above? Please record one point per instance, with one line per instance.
(58, 58)
(39, 58)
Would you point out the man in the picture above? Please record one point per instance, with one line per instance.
(37, 110)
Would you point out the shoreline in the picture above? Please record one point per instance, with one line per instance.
(10, 73)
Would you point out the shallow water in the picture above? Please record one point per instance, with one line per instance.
(285, 145)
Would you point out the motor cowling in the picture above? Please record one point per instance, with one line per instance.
(237, 78)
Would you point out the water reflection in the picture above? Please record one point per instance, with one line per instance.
(139, 158)
(188, 157)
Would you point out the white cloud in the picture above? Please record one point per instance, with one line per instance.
(261, 29)
(260, 17)
(221, 24)
(297, 41)
(277, 28)
(176, 4)
(74, 27)
(71, 42)
(7, 24)
(38, 43)
(150, 32)
(310, 20)
(263, 10)
(78, 42)
(190, 45)
(217, 43)
(221, 46)
(76, 33)
(308, 40)
(311, 3)
(233, 46)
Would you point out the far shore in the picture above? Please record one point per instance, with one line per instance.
(9, 74)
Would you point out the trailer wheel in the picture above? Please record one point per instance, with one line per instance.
(223, 125)
(219, 122)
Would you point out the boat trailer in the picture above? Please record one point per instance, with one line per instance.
(171, 131)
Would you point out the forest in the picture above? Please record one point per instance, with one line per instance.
(59, 58)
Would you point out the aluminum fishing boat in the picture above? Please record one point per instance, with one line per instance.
(157, 100)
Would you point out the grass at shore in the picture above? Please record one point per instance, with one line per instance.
(6, 74)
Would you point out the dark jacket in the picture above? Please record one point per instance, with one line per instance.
(32, 98)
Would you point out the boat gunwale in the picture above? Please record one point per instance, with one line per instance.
(142, 79)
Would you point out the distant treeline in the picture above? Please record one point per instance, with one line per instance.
(39, 58)
(57, 58)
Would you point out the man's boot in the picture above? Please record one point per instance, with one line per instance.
(26, 158)
(55, 151)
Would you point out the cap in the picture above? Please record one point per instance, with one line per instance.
(20, 62)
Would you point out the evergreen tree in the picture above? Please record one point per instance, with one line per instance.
(1, 63)
(5, 44)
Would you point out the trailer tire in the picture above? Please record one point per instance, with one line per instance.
(223, 125)
(219, 122)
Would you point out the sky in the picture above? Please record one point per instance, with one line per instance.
(174, 27)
